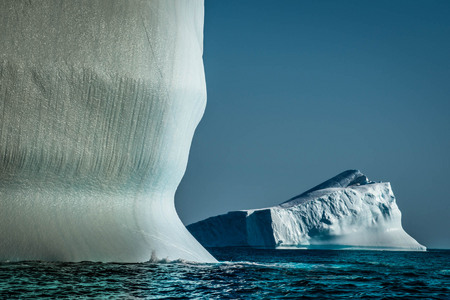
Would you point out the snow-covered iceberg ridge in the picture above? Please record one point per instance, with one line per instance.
(99, 100)
(347, 211)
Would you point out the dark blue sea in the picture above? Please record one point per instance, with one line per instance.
(241, 274)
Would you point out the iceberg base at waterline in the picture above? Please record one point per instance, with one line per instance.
(346, 212)
(52, 224)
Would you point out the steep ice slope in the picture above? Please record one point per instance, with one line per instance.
(99, 100)
(345, 211)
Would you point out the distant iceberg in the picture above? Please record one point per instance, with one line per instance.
(346, 211)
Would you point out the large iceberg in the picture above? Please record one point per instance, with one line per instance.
(99, 100)
(347, 211)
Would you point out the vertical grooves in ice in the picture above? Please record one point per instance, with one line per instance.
(99, 101)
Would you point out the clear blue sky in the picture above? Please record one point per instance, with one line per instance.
(299, 91)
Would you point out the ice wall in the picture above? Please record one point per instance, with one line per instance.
(99, 100)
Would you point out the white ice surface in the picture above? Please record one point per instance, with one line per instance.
(347, 211)
(99, 100)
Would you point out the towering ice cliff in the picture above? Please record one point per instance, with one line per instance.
(99, 100)
(346, 211)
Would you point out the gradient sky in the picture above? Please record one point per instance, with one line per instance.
(299, 91)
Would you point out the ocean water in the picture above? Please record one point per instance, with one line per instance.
(241, 274)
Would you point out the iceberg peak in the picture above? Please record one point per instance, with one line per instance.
(343, 180)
